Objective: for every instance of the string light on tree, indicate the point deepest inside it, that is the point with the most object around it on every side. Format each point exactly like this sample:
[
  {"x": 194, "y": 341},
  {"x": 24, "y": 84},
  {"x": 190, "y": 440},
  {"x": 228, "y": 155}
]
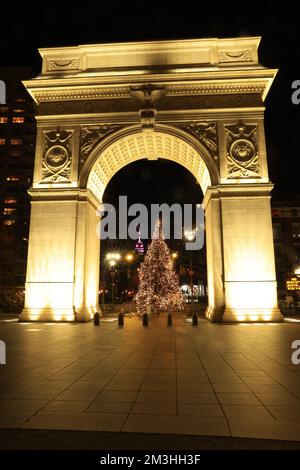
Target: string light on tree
[{"x": 158, "y": 282}]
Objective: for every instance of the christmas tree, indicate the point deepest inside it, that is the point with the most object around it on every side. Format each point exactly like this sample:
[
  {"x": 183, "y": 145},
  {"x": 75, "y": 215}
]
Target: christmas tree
[{"x": 158, "y": 282}]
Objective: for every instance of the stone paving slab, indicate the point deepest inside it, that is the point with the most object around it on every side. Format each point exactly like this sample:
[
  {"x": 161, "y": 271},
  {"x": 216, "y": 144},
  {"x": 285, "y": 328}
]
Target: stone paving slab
[{"x": 213, "y": 380}]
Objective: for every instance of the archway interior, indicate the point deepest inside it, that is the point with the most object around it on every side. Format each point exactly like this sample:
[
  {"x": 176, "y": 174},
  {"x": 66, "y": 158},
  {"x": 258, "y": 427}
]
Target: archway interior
[
  {"x": 150, "y": 145},
  {"x": 150, "y": 182}
]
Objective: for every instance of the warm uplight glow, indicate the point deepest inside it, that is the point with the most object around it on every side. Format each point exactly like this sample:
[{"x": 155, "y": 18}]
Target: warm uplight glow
[{"x": 297, "y": 271}]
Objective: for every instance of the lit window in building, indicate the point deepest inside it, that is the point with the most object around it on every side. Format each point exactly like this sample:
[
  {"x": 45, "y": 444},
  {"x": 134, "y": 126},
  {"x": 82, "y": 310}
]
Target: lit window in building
[
  {"x": 3, "y": 120},
  {"x": 16, "y": 141},
  {"x": 12, "y": 178},
  {"x": 20, "y": 100},
  {"x": 296, "y": 230},
  {"x": 17, "y": 120},
  {"x": 9, "y": 210},
  {"x": 9, "y": 222},
  {"x": 10, "y": 200},
  {"x": 2, "y": 141},
  {"x": 3, "y": 109},
  {"x": 18, "y": 110}
]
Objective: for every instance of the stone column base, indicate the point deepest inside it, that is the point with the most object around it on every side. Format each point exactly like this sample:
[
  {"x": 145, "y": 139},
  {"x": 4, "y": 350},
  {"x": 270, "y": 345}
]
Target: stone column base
[
  {"x": 213, "y": 314},
  {"x": 47, "y": 315},
  {"x": 86, "y": 314},
  {"x": 243, "y": 315},
  {"x": 252, "y": 315},
  {"x": 59, "y": 315}
]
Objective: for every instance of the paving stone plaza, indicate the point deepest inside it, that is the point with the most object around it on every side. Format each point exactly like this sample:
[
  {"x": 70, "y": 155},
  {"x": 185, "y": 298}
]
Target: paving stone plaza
[{"x": 211, "y": 380}]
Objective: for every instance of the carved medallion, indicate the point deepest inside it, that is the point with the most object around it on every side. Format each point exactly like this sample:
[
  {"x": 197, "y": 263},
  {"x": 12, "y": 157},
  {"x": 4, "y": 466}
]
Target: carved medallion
[
  {"x": 242, "y": 150},
  {"x": 56, "y": 164},
  {"x": 242, "y": 155}
]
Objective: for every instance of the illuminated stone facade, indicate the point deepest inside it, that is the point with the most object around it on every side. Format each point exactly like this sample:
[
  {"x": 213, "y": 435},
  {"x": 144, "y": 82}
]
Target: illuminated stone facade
[{"x": 199, "y": 103}]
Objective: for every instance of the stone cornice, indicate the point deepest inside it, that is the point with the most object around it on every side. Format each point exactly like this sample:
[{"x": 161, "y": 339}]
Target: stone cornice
[
  {"x": 59, "y": 91},
  {"x": 235, "y": 191}
]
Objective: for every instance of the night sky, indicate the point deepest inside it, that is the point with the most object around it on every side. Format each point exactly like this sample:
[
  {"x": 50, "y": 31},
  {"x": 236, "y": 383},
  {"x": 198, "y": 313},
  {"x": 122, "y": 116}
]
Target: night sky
[{"x": 27, "y": 26}]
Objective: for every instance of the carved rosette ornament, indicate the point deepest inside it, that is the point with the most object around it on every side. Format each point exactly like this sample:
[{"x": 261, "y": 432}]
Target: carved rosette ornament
[
  {"x": 91, "y": 136},
  {"x": 206, "y": 133},
  {"x": 57, "y": 156},
  {"x": 242, "y": 154}
]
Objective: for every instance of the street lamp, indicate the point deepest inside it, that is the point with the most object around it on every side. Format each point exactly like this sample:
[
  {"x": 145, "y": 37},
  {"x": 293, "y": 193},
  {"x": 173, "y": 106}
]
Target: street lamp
[
  {"x": 112, "y": 259},
  {"x": 189, "y": 235}
]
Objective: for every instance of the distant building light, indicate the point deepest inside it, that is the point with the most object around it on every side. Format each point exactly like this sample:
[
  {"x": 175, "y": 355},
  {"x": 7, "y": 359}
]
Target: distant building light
[
  {"x": 3, "y": 120},
  {"x": 2, "y": 141},
  {"x": 12, "y": 178},
  {"x": 139, "y": 246},
  {"x": 18, "y": 110},
  {"x": 16, "y": 141},
  {"x": 9, "y": 222},
  {"x": 18, "y": 120},
  {"x": 275, "y": 213},
  {"x": 9, "y": 210},
  {"x": 10, "y": 200}
]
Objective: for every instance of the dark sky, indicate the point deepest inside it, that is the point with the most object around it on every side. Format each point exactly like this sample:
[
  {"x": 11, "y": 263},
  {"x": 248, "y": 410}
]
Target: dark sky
[{"x": 27, "y": 26}]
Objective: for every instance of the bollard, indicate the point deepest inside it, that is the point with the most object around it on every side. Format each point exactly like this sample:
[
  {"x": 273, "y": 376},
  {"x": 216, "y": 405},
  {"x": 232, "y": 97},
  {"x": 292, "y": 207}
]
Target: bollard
[
  {"x": 170, "y": 319},
  {"x": 145, "y": 319},
  {"x": 121, "y": 319},
  {"x": 195, "y": 319},
  {"x": 96, "y": 319}
]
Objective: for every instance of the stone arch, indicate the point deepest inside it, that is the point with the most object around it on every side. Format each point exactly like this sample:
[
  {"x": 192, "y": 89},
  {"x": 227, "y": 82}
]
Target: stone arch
[
  {"x": 141, "y": 88},
  {"x": 131, "y": 144}
]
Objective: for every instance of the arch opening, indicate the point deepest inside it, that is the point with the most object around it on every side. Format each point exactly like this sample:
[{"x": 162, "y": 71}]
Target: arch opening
[
  {"x": 151, "y": 183},
  {"x": 145, "y": 145}
]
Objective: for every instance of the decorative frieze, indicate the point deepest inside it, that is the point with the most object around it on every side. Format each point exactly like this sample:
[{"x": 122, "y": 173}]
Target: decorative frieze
[
  {"x": 235, "y": 56},
  {"x": 206, "y": 133},
  {"x": 90, "y": 136},
  {"x": 55, "y": 65}
]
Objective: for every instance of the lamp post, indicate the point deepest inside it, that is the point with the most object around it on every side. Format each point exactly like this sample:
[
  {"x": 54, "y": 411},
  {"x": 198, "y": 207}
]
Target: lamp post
[
  {"x": 112, "y": 259},
  {"x": 189, "y": 235}
]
